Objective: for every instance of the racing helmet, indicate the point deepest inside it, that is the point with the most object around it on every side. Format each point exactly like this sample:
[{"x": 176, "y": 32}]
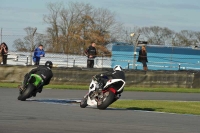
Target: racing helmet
[
  {"x": 117, "y": 68},
  {"x": 49, "y": 64}
]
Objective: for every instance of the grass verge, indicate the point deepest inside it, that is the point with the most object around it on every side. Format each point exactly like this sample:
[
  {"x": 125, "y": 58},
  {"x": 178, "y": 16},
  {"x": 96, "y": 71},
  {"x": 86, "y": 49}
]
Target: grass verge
[
  {"x": 180, "y": 107},
  {"x": 85, "y": 87}
]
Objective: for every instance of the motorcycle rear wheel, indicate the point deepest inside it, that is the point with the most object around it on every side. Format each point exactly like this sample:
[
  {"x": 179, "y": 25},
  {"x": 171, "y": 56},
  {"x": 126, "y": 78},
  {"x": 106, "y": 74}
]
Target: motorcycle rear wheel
[
  {"x": 107, "y": 100},
  {"x": 27, "y": 93}
]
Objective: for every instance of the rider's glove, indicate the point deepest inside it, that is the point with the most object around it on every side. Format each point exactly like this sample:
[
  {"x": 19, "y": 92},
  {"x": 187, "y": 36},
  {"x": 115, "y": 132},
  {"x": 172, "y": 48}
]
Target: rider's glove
[{"x": 95, "y": 78}]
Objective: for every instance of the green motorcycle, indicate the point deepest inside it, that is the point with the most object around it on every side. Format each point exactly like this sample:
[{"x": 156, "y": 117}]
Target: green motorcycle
[{"x": 35, "y": 82}]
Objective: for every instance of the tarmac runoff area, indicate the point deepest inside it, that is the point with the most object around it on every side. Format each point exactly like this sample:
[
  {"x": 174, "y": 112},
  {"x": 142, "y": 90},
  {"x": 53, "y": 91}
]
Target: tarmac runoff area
[{"x": 58, "y": 111}]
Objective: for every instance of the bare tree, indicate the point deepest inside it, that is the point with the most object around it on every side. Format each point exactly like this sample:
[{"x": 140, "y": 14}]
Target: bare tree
[
  {"x": 186, "y": 38},
  {"x": 74, "y": 26},
  {"x": 197, "y": 34},
  {"x": 157, "y": 35},
  {"x": 19, "y": 45},
  {"x": 52, "y": 19},
  {"x": 30, "y": 41}
]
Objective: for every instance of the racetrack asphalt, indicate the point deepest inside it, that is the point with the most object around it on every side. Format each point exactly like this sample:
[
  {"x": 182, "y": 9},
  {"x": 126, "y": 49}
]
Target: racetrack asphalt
[{"x": 32, "y": 116}]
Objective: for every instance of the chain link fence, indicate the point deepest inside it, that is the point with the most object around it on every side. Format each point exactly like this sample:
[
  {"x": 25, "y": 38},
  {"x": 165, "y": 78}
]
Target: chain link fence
[
  {"x": 9, "y": 36},
  {"x": 59, "y": 60}
]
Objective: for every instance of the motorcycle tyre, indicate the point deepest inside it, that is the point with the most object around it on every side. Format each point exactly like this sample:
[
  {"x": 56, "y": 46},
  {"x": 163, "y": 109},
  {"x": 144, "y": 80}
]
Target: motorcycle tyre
[
  {"x": 83, "y": 102},
  {"x": 109, "y": 100},
  {"x": 27, "y": 93}
]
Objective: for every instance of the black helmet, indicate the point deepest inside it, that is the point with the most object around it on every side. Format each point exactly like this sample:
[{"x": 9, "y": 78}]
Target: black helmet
[{"x": 49, "y": 64}]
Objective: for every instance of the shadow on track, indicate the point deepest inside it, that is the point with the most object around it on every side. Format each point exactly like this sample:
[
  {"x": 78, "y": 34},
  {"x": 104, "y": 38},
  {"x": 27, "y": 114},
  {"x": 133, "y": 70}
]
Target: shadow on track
[{"x": 77, "y": 102}]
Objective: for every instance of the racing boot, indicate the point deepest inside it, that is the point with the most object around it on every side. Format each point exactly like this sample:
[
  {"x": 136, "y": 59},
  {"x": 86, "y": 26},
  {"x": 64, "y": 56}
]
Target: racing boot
[
  {"x": 34, "y": 93},
  {"x": 39, "y": 89},
  {"x": 21, "y": 88},
  {"x": 118, "y": 96}
]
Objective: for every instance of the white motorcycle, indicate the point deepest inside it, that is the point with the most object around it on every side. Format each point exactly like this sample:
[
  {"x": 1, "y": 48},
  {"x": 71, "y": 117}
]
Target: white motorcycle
[{"x": 103, "y": 98}]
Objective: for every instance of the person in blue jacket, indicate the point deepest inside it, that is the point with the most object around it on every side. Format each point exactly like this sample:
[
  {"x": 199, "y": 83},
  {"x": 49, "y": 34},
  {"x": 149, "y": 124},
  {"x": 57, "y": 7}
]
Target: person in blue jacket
[{"x": 38, "y": 53}]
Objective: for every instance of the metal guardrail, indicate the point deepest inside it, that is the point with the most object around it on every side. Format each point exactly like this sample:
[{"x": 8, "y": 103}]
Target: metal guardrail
[
  {"x": 59, "y": 60},
  {"x": 63, "y": 60},
  {"x": 175, "y": 66}
]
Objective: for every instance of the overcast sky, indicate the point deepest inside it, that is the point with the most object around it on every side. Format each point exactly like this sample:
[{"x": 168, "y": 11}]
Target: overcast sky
[{"x": 177, "y": 15}]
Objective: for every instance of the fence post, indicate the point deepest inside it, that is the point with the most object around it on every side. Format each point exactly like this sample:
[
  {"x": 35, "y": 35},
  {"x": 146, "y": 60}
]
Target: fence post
[
  {"x": 101, "y": 60},
  {"x": 74, "y": 63},
  {"x": 128, "y": 64},
  {"x": 26, "y": 60},
  {"x": 1, "y": 35},
  {"x": 16, "y": 58}
]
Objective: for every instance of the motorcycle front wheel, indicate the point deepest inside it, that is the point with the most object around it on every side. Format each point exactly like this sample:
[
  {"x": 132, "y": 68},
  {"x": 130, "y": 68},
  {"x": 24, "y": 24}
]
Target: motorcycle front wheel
[
  {"x": 107, "y": 100},
  {"x": 83, "y": 102}
]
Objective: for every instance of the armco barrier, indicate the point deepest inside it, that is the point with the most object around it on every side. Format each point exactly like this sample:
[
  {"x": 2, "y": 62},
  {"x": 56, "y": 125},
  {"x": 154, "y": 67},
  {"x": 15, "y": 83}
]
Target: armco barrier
[{"x": 138, "y": 78}]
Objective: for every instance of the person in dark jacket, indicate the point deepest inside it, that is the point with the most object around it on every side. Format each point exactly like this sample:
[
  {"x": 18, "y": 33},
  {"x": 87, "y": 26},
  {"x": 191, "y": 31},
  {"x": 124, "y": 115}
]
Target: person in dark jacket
[
  {"x": 43, "y": 71},
  {"x": 143, "y": 57},
  {"x": 91, "y": 53},
  {"x": 102, "y": 78},
  {"x": 38, "y": 53},
  {"x": 4, "y": 52}
]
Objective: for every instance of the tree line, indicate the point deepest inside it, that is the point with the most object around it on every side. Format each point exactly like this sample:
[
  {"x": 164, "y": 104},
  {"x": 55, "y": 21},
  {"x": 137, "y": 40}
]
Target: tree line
[{"x": 72, "y": 27}]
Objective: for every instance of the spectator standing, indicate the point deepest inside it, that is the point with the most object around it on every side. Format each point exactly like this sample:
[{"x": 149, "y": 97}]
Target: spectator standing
[
  {"x": 91, "y": 54},
  {"x": 38, "y": 53},
  {"x": 143, "y": 57},
  {"x": 4, "y": 53}
]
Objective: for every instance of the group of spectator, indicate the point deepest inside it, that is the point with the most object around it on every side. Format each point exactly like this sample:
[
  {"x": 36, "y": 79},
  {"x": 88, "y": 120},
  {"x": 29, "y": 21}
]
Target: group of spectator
[
  {"x": 90, "y": 52},
  {"x": 38, "y": 52}
]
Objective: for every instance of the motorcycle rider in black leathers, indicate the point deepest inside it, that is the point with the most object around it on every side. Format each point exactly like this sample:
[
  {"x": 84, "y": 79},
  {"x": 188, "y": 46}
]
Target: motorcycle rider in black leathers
[
  {"x": 44, "y": 72},
  {"x": 104, "y": 77}
]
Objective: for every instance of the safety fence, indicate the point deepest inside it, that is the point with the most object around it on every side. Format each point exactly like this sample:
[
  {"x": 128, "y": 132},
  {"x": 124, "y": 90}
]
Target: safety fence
[
  {"x": 64, "y": 60},
  {"x": 59, "y": 60},
  {"x": 126, "y": 58}
]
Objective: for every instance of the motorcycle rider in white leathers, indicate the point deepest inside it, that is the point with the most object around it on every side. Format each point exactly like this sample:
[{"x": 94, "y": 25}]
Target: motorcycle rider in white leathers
[{"x": 104, "y": 77}]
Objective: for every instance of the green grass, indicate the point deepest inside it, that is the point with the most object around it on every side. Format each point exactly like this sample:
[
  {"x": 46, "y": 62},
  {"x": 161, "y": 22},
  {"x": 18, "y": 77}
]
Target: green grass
[
  {"x": 78, "y": 87},
  {"x": 159, "y": 89},
  {"x": 9, "y": 85},
  {"x": 159, "y": 106},
  {"x": 85, "y": 87}
]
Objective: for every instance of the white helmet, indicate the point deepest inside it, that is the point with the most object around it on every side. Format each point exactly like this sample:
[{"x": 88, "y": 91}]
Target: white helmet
[{"x": 117, "y": 68}]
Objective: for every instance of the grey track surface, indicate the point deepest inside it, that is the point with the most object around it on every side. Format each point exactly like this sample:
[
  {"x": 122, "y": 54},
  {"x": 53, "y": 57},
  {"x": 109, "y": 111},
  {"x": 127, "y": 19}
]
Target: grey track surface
[{"x": 35, "y": 117}]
